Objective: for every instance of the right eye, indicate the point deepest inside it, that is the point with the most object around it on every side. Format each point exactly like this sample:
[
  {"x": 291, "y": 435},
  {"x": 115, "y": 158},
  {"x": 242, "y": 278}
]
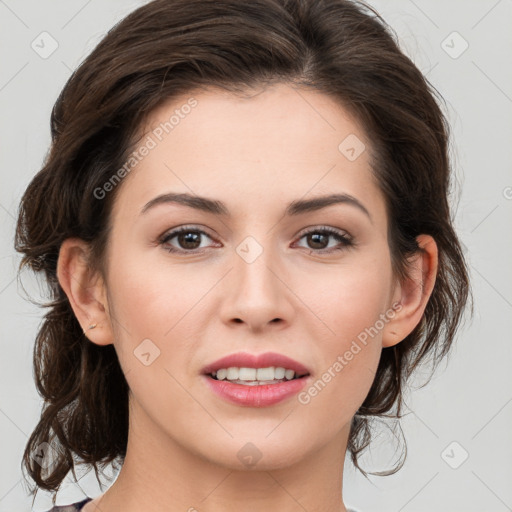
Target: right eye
[{"x": 188, "y": 239}]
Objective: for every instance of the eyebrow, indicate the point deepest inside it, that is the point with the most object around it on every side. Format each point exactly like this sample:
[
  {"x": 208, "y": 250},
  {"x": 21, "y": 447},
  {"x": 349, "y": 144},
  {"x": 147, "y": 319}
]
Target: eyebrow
[{"x": 215, "y": 207}]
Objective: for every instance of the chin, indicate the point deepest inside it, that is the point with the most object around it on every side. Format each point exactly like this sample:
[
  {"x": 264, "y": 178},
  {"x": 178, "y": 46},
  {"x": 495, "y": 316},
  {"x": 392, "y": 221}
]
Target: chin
[{"x": 259, "y": 453}]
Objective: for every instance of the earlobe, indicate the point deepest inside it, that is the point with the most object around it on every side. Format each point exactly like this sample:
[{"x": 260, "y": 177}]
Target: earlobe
[
  {"x": 413, "y": 293},
  {"x": 85, "y": 290}
]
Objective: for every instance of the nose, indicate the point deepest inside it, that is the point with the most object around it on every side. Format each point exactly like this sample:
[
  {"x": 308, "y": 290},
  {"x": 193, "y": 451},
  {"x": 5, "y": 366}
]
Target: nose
[{"x": 256, "y": 293}]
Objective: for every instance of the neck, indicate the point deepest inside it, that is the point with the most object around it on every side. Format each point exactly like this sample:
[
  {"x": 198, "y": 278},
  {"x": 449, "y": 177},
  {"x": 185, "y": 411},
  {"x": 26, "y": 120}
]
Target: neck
[{"x": 160, "y": 475}]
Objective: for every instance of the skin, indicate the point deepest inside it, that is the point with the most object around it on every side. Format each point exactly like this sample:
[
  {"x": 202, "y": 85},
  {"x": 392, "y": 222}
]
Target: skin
[{"x": 255, "y": 155}]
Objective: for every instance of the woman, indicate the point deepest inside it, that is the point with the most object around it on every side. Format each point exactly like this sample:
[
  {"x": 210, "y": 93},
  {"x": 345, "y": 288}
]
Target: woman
[{"x": 244, "y": 224}]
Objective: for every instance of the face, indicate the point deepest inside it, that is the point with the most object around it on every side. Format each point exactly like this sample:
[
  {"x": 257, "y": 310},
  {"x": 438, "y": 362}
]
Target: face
[{"x": 262, "y": 274}]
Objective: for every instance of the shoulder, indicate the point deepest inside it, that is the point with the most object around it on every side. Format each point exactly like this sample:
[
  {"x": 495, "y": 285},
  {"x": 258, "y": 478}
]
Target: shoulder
[{"x": 71, "y": 508}]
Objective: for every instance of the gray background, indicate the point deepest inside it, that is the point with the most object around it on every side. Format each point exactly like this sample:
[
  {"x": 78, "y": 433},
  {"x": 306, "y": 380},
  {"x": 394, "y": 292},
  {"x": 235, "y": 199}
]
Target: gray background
[{"x": 469, "y": 402}]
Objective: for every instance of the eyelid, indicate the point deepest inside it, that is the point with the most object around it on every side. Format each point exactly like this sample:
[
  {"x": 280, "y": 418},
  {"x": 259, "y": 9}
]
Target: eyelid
[
  {"x": 304, "y": 231},
  {"x": 323, "y": 227},
  {"x": 171, "y": 233}
]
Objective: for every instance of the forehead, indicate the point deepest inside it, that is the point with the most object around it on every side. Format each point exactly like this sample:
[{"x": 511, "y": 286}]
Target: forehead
[{"x": 256, "y": 152}]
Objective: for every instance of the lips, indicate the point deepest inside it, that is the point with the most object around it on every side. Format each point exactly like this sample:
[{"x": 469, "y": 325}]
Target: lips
[{"x": 265, "y": 360}]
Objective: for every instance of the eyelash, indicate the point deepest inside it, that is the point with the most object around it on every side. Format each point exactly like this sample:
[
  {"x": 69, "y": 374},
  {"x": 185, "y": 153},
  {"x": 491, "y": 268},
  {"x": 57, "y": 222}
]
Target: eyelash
[{"x": 345, "y": 240}]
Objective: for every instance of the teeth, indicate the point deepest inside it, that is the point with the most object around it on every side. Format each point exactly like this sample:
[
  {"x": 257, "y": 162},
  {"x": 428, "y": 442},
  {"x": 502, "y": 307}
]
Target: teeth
[
  {"x": 256, "y": 382},
  {"x": 279, "y": 373},
  {"x": 232, "y": 373},
  {"x": 288, "y": 374},
  {"x": 247, "y": 373},
  {"x": 254, "y": 374},
  {"x": 265, "y": 373}
]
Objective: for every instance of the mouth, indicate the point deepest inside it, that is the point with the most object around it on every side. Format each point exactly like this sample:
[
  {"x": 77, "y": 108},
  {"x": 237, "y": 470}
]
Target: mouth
[
  {"x": 255, "y": 376},
  {"x": 254, "y": 381},
  {"x": 256, "y": 370}
]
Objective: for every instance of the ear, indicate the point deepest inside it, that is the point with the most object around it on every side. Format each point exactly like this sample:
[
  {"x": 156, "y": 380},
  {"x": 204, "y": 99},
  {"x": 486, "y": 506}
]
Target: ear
[
  {"x": 85, "y": 290},
  {"x": 412, "y": 294}
]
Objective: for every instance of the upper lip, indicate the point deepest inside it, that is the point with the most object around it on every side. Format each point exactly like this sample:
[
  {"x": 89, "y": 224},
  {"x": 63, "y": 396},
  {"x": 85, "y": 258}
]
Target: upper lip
[{"x": 265, "y": 360}]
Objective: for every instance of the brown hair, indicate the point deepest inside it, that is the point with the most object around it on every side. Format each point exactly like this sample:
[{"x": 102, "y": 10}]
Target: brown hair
[{"x": 171, "y": 47}]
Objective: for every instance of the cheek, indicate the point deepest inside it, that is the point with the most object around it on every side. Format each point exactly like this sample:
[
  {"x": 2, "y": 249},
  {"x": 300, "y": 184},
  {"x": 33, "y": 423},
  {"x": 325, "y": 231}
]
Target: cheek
[
  {"x": 355, "y": 309},
  {"x": 152, "y": 300},
  {"x": 156, "y": 315},
  {"x": 351, "y": 298},
  {"x": 153, "y": 319}
]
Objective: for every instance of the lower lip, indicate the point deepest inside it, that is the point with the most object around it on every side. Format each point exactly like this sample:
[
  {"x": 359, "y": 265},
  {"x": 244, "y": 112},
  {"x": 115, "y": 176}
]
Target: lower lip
[{"x": 256, "y": 396}]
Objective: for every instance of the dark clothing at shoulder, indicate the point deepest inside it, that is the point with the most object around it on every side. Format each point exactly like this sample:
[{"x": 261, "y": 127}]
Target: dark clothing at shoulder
[{"x": 71, "y": 508}]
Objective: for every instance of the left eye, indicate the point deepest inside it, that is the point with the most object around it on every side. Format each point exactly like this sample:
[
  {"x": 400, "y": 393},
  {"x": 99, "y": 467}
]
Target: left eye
[{"x": 320, "y": 237}]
